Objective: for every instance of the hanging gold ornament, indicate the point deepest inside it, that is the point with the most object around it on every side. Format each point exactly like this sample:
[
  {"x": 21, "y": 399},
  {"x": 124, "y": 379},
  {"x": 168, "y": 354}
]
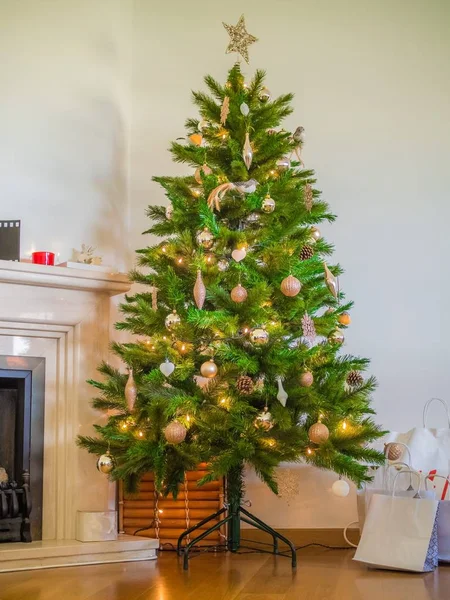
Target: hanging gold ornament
[
  {"x": 239, "y": 293},
  {"x": 308, "y": 196},
  {"x": 205, "y": 170},
  {"x": 154, "y": 292},
  {"x": 344, "y": 318},
  {"x": 106, "y": 463},
  {"x": 306, "y": 379},
  {"x": 264, "y": 95},
  {"x": 225, "y": 110},
  {"x": 264, "y": 420},
  {"x": 172, "y": 320},
  {"x": 268, "y": 204},
  {"x": 209, "y": 369},
  {"x": 199, "y": 290},
  {"x": 210, "y": 259},
  {"x": 196, "y": 139},
  {"x": 290, "y": 286},
  {"x": 175, "y": 433},
  {"x": 247, "y": 152},
  {"x": 130, "y": 391},
  {"x": 336, "y": 337},
  {"x": 240, "y": 39},
  {"x": 259, "y": 336},
  {"x": 205, "y": 238},
  {"x": 315, "y": 234},
  {"x": 318, "y": 433},
  {"x": 331, "y": 281}
]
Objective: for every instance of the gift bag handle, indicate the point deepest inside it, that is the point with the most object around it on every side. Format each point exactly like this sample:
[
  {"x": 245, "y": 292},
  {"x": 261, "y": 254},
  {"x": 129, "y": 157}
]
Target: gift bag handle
[
  {"x": 395, "y": 465},
  {"x": 431, "y": 477},
  {"x": 412, "y": 472},
  {"x": 427, "y": 407}
]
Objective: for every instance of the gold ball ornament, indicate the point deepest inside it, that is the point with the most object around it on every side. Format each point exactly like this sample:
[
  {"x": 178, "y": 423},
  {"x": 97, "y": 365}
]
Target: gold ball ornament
[
  {"x": 336, "y": 337},
  {"x": 290, "y": 286},
  {"x": 203, "y": 170},
  {"x": 209, "y": 369},
  {"x": 205, "y": 238},
  {"x": 106, "y": 463},
  {"x": 318, "y": 433},
  {"x": 172, "y": 320},
  {"x": 344, "y": 318},
  {"x": 239, "y": 293},
  {"x": 393, "y": 451},
  {"x": 268, "y": 205},
  {"x": 264, "y": 95},
  {"x": 264, "y": 420},
  {"x": 306, "y": 379},
  {"x": 315, "y": 234},
  {"x": 259, "y": 336},
  {"x": 175, "y": 433}
]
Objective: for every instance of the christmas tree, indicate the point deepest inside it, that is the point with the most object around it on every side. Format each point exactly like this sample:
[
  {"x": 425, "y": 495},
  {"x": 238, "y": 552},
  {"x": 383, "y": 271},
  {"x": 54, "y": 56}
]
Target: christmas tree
[{"x": 237, "y": 358}]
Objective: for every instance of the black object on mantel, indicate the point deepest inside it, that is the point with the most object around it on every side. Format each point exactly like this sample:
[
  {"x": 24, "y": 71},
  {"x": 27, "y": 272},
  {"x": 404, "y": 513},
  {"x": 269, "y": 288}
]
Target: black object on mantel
[
  {"x": 15, "y": 509},
  {"x": 10, "y": 240}
]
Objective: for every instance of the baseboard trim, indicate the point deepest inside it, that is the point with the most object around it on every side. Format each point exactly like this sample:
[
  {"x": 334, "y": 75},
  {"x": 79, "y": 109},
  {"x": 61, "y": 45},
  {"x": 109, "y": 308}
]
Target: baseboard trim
[{"x": 302, "y": 537}]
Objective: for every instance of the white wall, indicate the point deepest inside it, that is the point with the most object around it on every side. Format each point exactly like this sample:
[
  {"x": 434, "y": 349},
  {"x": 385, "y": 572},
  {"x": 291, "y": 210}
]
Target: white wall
[
  {"x": 64, "y": 119},
  {"x": 372, "y": 87}
]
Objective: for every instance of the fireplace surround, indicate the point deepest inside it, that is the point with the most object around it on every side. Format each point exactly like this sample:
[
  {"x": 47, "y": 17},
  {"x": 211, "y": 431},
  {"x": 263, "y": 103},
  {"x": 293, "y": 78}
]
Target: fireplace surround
[{"x": 58, "y": 320}]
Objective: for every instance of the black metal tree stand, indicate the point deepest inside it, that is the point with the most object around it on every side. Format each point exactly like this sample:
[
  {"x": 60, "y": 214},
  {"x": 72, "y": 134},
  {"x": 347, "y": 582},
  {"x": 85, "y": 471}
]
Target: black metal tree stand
[{"x": 234, "y": 513}]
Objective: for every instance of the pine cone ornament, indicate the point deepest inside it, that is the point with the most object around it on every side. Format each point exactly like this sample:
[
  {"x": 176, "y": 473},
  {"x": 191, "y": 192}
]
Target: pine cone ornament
[
  {"x": 306, "y": 252},
  {"x": 354, "y": 378},
  {"x": 245, "y": 385}
]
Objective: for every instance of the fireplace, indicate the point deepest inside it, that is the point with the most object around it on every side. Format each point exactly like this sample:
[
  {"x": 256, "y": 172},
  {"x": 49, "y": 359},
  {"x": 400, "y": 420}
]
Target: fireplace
[{"x": 21, "y": 444}]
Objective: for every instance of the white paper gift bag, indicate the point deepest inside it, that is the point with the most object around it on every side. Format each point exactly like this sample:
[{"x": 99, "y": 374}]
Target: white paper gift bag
[
  {"x": 400, "y": 533},
  {"x": 428, "y": 450}
]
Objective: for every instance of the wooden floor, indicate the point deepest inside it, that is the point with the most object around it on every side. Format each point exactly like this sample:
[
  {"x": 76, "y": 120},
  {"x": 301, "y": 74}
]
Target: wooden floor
[{"x": 321, "y": 575}]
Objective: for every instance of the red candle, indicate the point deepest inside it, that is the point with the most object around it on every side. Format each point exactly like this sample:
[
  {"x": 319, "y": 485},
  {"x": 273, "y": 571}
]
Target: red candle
[{"x": 43, "y": 258}]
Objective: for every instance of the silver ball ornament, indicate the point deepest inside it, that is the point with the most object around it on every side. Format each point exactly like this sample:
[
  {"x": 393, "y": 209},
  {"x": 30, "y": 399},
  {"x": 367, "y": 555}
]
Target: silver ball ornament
[
  {"x": 106, "y": 463},
  {"x": 284, "y": 164},
  {"x": 268, "y": 205},
  {"x": 264, "y": 95},
  {"x": 259, "y": 336},
  {"x": 172, "y": 320},
  {"x": 340, "y": 488},
  {"x": 223, "y": 265},
  {"x": 336, "y": 337},
  {"x": 205, "y": 238}
]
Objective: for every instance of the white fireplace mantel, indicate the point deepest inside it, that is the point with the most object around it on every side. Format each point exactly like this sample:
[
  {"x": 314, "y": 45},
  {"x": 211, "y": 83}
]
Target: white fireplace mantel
[{"x": 63, "y": 278}]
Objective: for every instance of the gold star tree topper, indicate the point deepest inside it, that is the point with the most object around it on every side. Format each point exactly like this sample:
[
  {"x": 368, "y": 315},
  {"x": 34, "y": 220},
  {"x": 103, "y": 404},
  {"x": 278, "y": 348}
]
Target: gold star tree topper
[{"x": 240, "y": 38}]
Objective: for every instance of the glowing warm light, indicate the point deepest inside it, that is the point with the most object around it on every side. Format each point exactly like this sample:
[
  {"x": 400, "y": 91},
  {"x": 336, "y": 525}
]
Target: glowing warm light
[
  {"x": 140, "y": 434},
  {"x": 309, "y": 451},
  {"x": 245, "y": 86},
  {"x": 179, "y": 260},
  {"x": 148, "y": 342},
  {"x": 164, "y": 249},
  {"x": 160, "y": 510},
  {"x": 183, "y": 348},
  {"x": 188, "y": 418},
  {"x": 164, "y": 337},
  {"x": 344, "y": 425},
  {"x": 124, "y": 426},
  {"x": 223, "y": 401},
  {"x": 273, "y": 323}
]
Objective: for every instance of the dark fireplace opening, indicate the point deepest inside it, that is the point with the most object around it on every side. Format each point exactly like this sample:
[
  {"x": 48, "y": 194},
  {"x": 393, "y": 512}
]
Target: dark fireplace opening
[{"x": 21, "y": 448}]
